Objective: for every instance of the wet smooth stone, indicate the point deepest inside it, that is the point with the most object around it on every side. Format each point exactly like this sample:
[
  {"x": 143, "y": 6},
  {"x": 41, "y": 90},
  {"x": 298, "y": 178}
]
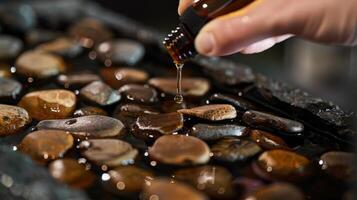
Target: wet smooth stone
[
  {"x": 267, "y": 140},
  {"x": 89, "y": 110},
  {"x": 195, "y": 87},
  {"x": 77, "y": 80},
  {"x": 38, "y": 36},
  {"x": 109, "y": 152},
  {"x": 234, "y": 149},
  {"x": 213, "y": 180},
  {"x": 49, "y": 104},
  {"x": 267, "y": 121},
  {"x": 4, "y": 71},
  {"x": 128, "y": 180},
  {"x": 10, "y": 89},
  {"x": 72, "y": 173},
  {"x": 117, "y": 77},
  {"x": 282, "y": 165},
  {"x": 164, "y": 189},
  {"x": 152, "y": 126},
  {"x": 62, "y": 46},
  {"x": 46, "y": 145},
  {"x": 213, "y": 112},
  {"x": 90, "y": 32},
  {"x": 12, "y": 119},
  {"x": 39, "y": 65},
  {"x": 128, "y": 113},
  {"x": 169, "y": 105},
  {"x": 120, "y": 51},
  {"x": 179, "y": 150},
  {"x": 277, "y": 191},
  {"x": 339, "y": 165},
  {"x": 247, "y": 185},
  {"x": 238, "y": 102},
  {"x": 94, "y": 126},
  {"x": 209, "y": 132},
  {"x": 10, "y": 47},
  {"x": 100, "y": 93},
  {"x": 139, "y": 94}
]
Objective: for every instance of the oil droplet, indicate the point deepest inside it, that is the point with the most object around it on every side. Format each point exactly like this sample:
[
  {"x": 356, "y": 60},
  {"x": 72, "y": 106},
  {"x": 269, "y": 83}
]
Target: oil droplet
[{"x": 179, "y": 98}]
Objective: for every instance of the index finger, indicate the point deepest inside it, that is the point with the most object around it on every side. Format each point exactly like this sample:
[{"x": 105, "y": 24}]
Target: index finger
[{"x": 183, "y": 5}]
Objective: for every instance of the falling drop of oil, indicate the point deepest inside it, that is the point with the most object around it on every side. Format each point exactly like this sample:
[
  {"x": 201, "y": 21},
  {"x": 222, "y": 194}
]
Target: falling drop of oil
[{"x": 179, "y": 98}]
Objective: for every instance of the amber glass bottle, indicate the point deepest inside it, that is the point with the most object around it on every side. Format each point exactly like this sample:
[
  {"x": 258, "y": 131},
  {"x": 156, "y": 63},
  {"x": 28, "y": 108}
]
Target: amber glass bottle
[{"x": 180, "y": 42}]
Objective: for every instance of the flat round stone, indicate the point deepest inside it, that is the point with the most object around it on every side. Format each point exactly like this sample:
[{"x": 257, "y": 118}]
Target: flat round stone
[
  {"x": 39, "y": 65},
  {"x": 49, "y": 104},
  {"x": 152, "y": 126},
  {"x": 46, "y": 145},
  {"x": 128, "y": 113},
  {"x": 234, "y": 149},
  {"x": 121, "y": 51},
  {"x": 277, "y": 191},
  {"x": 10, "y": 89},
  {"x": 94, "y": 126},
  {"x": 100, "y": 93},
  {"x": 117, "y": 77},
  {"x": 238, "y": 102},
  {"x": 267, "y": 121},
  {"x": 282, "y": 165},
  {"x": 213, "y": 180},
  {"x": 90, "y": 32},
  {"x": 62, "y": 46},
  {"x": 72, "y": 173},
  {"x": 77, "y": 80},
  {"x": 12, "y": 119},
  {"x": 339, "y": 165},
  {"x": 267, "y": 140},
  {"x": 109, "y": 152},
  {"x": 179, "y": 150},
  {"x": 164, "y": 189},
  {"x": 195, "y": 87},
  {"x": 89, "y": 110},
  {"x": 10, "y": 47},
  {"x": 209, "y": 132},
  {"x": 213, "y": 112},
  {"x": 128, "y": 180},
  {"x": 139, "y": 94}
]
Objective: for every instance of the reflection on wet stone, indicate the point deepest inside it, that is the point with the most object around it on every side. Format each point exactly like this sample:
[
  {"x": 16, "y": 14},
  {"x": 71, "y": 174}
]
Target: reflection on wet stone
[
  {"x": 100, "y": 93},
  {"x": 209, "y": 132},
  {"x": 12, "y": 119},
  {"x": 213, "y": 112},
  {"x": 238, "y": 102},
  {"x": 89, "y": 110},
  {"x": 46, "y": 145},
  {"x": 169, "y": 105},
  {"x": 117, "y": 77},
  {"x": 139, "y": 94},
  {"x": 94, "y": 126},
  {"x": 267, "y": 121},
  {"x": 234, "y": 149},
  {"x": 109, "y": 152},
  {"x": 267, "y": 140},
  {"x": 339, "y": 165},
  {"x": 188, "y": 150},
  {"x": 10, "y": 89},
  {"x": 72, "y": 173}
]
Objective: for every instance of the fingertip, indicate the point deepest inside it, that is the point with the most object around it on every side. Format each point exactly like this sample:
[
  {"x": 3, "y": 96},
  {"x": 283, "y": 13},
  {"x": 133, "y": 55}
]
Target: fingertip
[{"x": 205, "y": 43}]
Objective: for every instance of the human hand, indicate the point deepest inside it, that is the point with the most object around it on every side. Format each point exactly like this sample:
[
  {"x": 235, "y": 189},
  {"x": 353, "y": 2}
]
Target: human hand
[{"x": 264, "y": 23}]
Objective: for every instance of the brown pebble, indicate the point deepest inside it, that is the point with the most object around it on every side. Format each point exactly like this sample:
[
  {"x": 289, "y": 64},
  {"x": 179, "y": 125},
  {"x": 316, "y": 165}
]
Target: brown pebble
[
  {"x": 277, "y": 191},
  {"x": 164, "y": 189},
  {"x": 152, "y": 126},
  {"x": 39, "y": 65},
  {"x": 49, "y": 104},
  {"x": 100, "y": 93},
  {"x": 179, "y": 150},
  {"x": 139, "y": 94},
  {"x": 267, "y": 140},
  {"x": 195, "y": 87},
  {"x": 169, "y": 106},
  {"x": 213, "y": 180},
  {"x": 213, "y": 112},
  {"x": 46, "y": 145},
  {"x": 117, "y": 77},
  {"x": 282, "y": 165},
  {"x": 234, "y": 149},
  {"x": 72, "y": 173},
  {"x": 128, "y": 113},
  {"x": 109, "y": 152},
  {"x": 77, "y": 80},
  {"x": 128, "y": 180},
  {"x": 12, "y": 119},
  {"x": 62, "y": 46},
  {"x": 89, "y": 110},
  {"x": 339, "y": 165}
]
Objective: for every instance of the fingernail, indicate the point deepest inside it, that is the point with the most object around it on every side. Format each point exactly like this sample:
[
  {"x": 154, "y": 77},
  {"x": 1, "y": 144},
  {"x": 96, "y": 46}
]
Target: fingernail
[{"x": 205, "y": 42}]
